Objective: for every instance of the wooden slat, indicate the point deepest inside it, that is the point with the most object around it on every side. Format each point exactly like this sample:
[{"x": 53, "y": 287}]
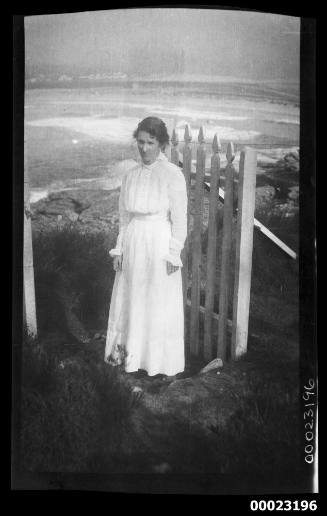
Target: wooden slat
[
  {"x": 187, "y": 157},
  {"x": 174, "y": 149},
  {"x": 244, "y": 245},
  {"x": 170, "y": 124},
  {"x": 187, "y": 163},
  {"x": 265, "y": 231},
  {"x": 196, "y": 245},
  {"x": 214, "y": 315},
  {"x": 226, "y": 253},
  {"x": 211, "y": 250}
]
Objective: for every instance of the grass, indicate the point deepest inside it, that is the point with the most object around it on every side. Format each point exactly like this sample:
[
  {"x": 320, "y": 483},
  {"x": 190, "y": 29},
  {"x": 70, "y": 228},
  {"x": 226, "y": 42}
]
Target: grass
[
  {"x": 282, "y": 220},
  {"x": 73, "y": 408},
  {"x": 80, "y": 263},
  {"x": 78, "y": 415},
  {"x": 260, "y": 444},
  {"x": 264, "y": 431}
]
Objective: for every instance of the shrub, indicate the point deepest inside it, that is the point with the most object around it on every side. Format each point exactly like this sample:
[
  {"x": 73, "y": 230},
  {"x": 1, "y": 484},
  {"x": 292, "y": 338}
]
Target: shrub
[{"x": 79, "y": 262}]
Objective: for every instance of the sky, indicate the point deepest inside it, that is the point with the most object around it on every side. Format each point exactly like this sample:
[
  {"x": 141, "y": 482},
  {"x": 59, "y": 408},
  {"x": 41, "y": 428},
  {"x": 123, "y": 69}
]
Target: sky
[{"x": 145, "y": 41}]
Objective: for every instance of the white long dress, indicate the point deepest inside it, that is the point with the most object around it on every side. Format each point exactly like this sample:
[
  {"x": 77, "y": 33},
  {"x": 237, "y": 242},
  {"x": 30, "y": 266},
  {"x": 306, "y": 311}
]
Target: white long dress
[{"x": 146, "y": 318}]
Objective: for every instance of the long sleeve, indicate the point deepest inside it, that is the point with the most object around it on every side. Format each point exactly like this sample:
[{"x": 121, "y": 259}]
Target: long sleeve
[
  {"x": 124, "y": 218},
  {"x": 177, "y": 194}
]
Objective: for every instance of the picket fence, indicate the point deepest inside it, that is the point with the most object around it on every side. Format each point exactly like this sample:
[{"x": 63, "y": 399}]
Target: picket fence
[{"x": 235, "y": 204}]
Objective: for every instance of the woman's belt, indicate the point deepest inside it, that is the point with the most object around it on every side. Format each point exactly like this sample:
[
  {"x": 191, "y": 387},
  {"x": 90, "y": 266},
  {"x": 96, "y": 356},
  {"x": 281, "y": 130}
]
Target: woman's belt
[{"x": 151, "y": 216}]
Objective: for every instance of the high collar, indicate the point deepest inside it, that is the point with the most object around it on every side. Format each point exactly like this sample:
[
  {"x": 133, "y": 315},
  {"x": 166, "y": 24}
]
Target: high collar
[{"x": 161, "y": 157}]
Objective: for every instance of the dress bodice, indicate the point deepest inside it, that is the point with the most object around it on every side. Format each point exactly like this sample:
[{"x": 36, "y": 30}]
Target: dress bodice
[{"x": 146, "y": 188}]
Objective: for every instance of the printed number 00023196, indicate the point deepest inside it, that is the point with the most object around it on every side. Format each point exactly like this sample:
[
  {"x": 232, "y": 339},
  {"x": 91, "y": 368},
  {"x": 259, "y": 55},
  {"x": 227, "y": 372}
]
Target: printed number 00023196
[{"x": 283, "y": 505}]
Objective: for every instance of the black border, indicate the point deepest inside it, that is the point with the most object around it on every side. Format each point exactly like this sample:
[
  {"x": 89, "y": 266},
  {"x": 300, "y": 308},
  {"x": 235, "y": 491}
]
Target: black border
[
  {"x": 307, "y": 257},
  {"x": 17, "y": 235}
]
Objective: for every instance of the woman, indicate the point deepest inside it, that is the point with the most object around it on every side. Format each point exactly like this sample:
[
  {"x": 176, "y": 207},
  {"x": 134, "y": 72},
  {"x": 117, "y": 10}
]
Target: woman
[{"x": 146, "y": 319}]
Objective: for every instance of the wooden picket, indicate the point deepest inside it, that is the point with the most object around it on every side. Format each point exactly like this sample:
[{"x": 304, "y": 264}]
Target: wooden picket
[
  {"x": 187, "y": 161},
  {"x": 187, "y": 170},
  {"x": 226, "y": 254},
  {"x": 212, "y": 249},
  {"x": 174, "y": 150},
  {"x": 197, "y": 245}
]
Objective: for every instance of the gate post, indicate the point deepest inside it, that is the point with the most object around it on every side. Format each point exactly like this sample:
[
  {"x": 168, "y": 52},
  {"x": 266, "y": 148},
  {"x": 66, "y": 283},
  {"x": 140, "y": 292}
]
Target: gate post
[
  {"x": 29, "y": 310},
  {"x": 244, "y": 246}
]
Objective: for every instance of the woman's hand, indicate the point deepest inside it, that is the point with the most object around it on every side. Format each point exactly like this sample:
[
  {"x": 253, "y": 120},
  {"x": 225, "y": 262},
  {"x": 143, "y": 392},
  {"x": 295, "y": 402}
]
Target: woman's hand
[
  {"x": 171, "y": 268},
  {"x": 118, "y": 262}
]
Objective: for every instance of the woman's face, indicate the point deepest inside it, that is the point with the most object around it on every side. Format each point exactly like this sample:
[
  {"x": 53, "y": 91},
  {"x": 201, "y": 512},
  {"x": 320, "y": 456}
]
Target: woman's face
[{"x": 149, "y": 147}]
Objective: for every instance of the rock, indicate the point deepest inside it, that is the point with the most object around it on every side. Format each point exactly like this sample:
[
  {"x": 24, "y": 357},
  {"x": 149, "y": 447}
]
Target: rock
[
  {"x": 137, "y": 389},
  {"x": 97, "y": 336},
  {"x": 196, "y": 405},
  {"x": 90, "y": 210},
  {"x": 294, "y": 193},
  {"x": 214, "y": 364},
  {"x": 292, "y": 156},
  {"x": 290, "y": 162},
  {"x": 264, "y": 195}
]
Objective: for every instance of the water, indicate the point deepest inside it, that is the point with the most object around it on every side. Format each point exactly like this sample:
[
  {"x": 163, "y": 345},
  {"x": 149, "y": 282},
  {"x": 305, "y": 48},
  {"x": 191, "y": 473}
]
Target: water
[{"x": 75, "y": 136}]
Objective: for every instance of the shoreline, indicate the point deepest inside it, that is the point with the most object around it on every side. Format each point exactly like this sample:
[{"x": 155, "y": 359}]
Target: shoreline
[{"x": 266, "y": 158}]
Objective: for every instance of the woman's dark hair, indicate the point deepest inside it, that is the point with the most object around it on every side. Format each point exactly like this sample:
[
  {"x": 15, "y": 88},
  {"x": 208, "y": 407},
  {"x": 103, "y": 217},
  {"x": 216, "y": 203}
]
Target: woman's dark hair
[{"x": 156, "y": 128}]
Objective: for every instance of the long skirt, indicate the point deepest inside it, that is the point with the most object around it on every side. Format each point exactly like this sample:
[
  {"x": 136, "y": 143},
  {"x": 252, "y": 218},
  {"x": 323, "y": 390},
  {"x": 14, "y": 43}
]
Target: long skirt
[{"x": 146, "y": 317}]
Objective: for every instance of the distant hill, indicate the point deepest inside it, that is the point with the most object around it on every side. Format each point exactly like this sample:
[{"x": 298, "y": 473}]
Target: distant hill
[{"x": 276, "y": 90}]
